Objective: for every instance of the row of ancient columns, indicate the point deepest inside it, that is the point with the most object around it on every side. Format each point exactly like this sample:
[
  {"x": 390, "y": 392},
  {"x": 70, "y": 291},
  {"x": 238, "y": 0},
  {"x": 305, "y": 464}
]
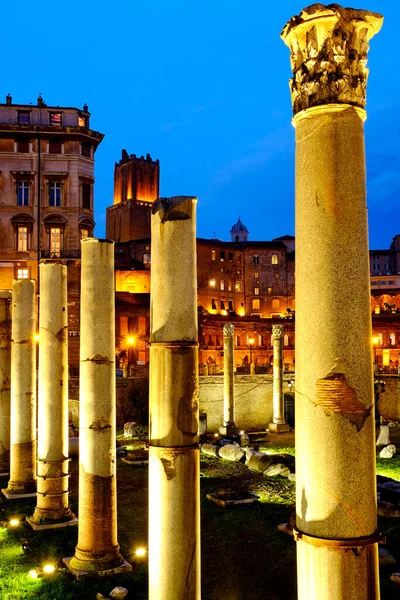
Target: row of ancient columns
[{"x": 337, "y": 543}]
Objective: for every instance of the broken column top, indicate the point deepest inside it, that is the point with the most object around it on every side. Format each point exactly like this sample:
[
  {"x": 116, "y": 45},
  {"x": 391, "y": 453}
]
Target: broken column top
[{"x": 328, "y": 53}]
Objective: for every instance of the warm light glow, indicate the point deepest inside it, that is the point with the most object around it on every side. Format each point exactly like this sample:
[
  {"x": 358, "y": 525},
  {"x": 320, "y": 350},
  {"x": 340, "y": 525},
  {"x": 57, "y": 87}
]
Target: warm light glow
[
  {"x": 241, "y": 432},
  {"x": 241, "y": 312},
  {"x": 49, "y": 568},
  {"x": 216, "y": 435},
  {"x": 130, "y": 340},
  {"x": 14, "y": 522},
  {"x": 36, "y": 338},
  {"x": 212, "y": 283},
  {"x": 375, "y": 340},
  {"x": 224, "y": 312},
  {"x": 140, "y": 552},
  {"x": 251, "y": 341},
  {"x": 33, "y": 573}
]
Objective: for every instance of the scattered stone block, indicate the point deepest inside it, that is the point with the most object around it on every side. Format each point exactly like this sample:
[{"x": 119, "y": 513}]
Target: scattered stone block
[
  {"x": 210, "y": 449},
  {"x": 395, "y": 577},
  {"x": 292, "y": 476},
  {"x": 383, "y": 437},
  {"x": 130, "y": 429},
  {"x": 277, "y": 469},
  {"x": 118, "y": 593},
  {"x": 392, "y": 424},
  {"x": 388, "y": 451},
  {"x": 258, "y": 461},
  {"x": 231, "y": 452},
  {"x": 244, "y": 440},
  {"x": 385, "y": 558}
]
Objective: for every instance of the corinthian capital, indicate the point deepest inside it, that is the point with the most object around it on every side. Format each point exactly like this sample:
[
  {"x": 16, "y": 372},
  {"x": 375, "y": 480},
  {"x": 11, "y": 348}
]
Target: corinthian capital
[
  {"x": 228, "y": 330},
  {"x": 328, "y": 52},
  {"x": 277, "y": 331}
]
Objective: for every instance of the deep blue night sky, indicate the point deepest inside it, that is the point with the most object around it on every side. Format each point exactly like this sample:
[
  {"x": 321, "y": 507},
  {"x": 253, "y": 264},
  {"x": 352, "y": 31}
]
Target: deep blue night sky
[{"x": 203, "y": 86}]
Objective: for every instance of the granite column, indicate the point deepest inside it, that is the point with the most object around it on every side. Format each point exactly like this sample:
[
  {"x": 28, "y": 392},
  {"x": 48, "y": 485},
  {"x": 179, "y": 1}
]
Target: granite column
[
  {"x": 229, "y": 427},
  {"x": 278, "y": 424},
  {"x": 174, "y": 478},
  {"x": 336, "y": 525}
]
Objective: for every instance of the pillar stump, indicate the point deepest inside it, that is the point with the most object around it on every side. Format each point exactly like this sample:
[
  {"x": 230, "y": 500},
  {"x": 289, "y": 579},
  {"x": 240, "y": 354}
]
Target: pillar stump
[
  {"x": 23, "y": 392},
  {"x": 5, "y": 380},
  {"x": 52, "y": 508},
  {"x": 336, "y": 524},
  {"x": 97, "y": 552},
  {"x": 229, "y": 427},
  {"x": 174, "y": 465},
  {"x": 278, "y": 424}
]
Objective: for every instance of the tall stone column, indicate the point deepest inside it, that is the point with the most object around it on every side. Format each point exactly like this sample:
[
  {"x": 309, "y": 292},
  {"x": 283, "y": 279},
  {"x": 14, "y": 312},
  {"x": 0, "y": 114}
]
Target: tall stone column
[
  {"x": 229, "y": 427},
  {"x": 52, "y": 508},
  {"x": 174, "y": 465},
  {"x": 23, "y": 391},
  {"x": 337, "y": 542},
  {"x": 5, "y": 379},
  {"x": 97, "y": 552},
  {"x": 278, "y": 424}
]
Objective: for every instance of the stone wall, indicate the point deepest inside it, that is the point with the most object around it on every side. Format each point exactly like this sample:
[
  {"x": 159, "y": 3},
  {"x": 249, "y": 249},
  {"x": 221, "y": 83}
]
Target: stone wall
[{"x": 253, "y": 401}]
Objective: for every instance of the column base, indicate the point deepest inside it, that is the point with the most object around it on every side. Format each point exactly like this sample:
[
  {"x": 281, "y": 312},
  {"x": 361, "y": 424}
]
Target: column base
[
  {"x": 228, "y": 430},
  {"x": 17, "y": 496},
  {"x": 278, "y": 428},
  {"x": 125, "y": 567},
  {"x": 52, "y": 524}
]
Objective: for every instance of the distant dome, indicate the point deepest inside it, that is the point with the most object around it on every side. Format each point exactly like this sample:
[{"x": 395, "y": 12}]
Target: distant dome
[
  {"x": 239, "y": 227},
  {"x": 239, "y": 232}
]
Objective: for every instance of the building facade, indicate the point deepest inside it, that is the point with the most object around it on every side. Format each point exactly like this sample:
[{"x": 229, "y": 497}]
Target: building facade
[{"x": 46, "y": 194}]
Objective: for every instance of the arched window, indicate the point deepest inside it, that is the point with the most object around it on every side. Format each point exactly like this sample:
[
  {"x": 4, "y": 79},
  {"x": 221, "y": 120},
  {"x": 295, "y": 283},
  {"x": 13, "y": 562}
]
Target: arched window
[
  {"x": 286, "y": 340},
  {"x": 392, "y": 339},
  {"x": 236, "y": 238},
  {"x": 275, "y": 304},
  {"x": 380, "y": 336},
  {"x": 256, "y": 259},
  {"x": 274, "y": 259},
  {"x": 146, "y": 258}
]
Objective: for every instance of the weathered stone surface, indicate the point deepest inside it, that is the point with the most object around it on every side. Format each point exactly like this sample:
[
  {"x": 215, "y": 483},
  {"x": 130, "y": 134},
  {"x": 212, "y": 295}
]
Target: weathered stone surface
[
  {"x": 292, "y": 476},
  {"x": 383, "y": 437},
  {"x": 258, "y": 461},
  {"x": 231, "y": 452},
  {"x": 130, "y": 429},
  {"x": 385, "y": 558},
  {"x": 209, "y": 449},
  {"x": 387, "y": 451},
  {"x": 118, "y": 593},
  {"x": 395, "y": 577},
  {"x": 277, "y": 469}
]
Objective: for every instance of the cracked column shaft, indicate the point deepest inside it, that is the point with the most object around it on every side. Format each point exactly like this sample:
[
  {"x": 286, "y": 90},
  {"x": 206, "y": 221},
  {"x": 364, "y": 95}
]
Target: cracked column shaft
[
  {"x": 174, "y": 478},
  {"x": 23, "y": 389},
  {"x": 337, "y": 550},
  {"x": 97, "y": 549},
  {"x": 5, "y": 379},
  {"x": 229, "y": 427},
  {"x": 52, "y": 466}
]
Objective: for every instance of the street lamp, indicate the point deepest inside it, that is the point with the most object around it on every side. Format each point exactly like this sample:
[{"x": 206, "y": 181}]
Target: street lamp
[
  {"x": 375, "y": 341},
  {"x": 251, "y": 342}
]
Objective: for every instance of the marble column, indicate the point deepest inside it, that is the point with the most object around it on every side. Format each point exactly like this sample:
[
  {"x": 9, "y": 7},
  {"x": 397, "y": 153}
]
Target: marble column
[
  {"x": 5, "y": 379},
  {"x": 336, "y": 524},
  {"x": 278, "y": 424},
  {"x": 174, "y": 478},
  {"x": 23, "y": 391},
  {"x": 229, "y": 427},
  {"x": 97, "y": 552},
  {"x": 52, "y": 508}
]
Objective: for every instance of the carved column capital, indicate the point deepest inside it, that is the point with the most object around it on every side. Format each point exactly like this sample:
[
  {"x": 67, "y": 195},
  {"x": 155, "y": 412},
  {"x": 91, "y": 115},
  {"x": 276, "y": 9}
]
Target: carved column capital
[
  {"x": 277, "y": 331},
  {"x": 328, "y": 53},
  {"x": 228, "y": 330}
]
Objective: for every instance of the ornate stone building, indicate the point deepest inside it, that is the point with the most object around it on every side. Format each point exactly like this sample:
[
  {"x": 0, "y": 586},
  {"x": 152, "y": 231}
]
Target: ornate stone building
[{"x": 46, "y": 193}]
